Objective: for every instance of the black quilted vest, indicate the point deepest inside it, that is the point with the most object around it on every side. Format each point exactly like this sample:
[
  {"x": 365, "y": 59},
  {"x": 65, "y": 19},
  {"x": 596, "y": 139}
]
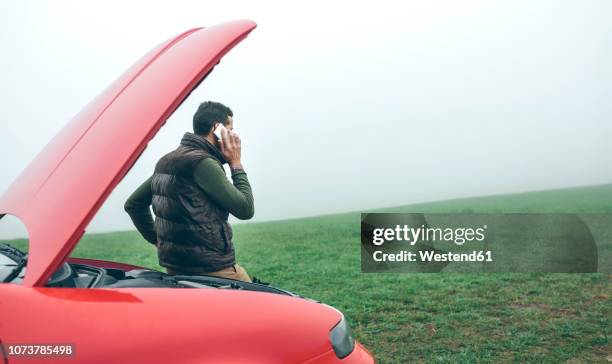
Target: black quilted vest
[{"x": 192, "y": 229}]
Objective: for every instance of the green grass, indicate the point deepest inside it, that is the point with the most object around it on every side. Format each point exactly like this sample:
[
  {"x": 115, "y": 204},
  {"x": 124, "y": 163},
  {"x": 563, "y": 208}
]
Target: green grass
[{"x": 432, "y": 318}]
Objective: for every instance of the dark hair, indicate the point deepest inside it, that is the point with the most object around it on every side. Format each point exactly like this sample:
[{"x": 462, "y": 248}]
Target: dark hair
[{"x": 209, "y": 113}]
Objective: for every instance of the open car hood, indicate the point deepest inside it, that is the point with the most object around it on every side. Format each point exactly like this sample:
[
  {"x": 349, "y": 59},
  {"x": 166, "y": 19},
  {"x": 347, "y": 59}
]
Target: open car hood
[{"x": 61, "y": 190}]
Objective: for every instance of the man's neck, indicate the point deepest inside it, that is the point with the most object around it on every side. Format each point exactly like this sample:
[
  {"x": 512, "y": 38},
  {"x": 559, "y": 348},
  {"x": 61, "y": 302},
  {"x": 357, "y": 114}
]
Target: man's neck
[{"x": 211, "y": 138}]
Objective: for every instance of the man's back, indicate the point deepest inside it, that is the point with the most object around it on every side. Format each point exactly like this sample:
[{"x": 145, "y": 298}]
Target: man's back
[
  {"x": 192, "y": 199},
  {"x": 191, "y": 228}
]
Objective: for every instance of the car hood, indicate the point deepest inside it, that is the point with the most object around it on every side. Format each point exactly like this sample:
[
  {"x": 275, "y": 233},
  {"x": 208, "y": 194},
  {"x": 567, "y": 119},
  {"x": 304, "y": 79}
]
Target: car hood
[
  {"x": 58, "y": 194},
  {"x": 187, "y": 326}
]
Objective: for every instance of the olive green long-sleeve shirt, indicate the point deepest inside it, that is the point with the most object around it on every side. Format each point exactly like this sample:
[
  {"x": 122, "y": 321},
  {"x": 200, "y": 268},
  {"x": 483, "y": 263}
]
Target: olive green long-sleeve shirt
[{"x": 237, "y": 198}]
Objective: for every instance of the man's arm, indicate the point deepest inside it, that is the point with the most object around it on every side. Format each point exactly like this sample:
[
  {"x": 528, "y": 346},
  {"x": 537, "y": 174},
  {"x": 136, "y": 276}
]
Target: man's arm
[
  {"x": 138, "y": 207},
  {"x": 237, "y": 198}
]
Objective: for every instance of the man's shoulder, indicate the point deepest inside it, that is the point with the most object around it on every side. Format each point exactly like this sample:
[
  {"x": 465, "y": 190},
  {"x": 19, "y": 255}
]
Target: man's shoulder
[
  {"x": 209, "y": 165},
  {"x": 182, "y": 160}
]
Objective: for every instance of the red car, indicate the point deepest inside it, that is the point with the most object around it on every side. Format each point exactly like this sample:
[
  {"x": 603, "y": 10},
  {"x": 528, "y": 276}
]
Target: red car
[{"x": 92, "y": 311}]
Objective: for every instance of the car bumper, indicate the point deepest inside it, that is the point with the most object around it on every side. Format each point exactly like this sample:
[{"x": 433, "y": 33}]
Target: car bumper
[{"x": 360, "y": 355}]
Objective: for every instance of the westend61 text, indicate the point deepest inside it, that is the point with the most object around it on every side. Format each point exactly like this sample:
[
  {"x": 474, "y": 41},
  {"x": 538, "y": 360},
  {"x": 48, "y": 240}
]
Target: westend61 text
[{"x": 431, "y": 256}]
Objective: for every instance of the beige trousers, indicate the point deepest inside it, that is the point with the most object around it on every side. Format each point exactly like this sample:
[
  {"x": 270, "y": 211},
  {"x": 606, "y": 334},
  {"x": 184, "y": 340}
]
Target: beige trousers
[{"x": 235, "y": 272}]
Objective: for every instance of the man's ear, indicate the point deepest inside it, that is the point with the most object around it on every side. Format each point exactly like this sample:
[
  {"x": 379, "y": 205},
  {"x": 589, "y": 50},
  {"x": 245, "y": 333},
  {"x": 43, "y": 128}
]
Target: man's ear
[{"x": 215, "y": 125}]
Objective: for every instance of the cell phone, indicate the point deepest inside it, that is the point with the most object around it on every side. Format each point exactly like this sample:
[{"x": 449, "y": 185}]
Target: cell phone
[{"x": 218, "y": 131}]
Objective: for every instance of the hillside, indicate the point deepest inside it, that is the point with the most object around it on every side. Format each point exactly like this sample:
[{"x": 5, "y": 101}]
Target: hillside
[{"x": 487, "y": 318}]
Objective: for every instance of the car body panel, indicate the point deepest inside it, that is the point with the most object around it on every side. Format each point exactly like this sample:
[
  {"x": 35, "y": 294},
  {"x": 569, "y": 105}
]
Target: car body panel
[
  {"x": 57, "y": 195},
  {"x": 188, "y": 325},
  {"x": 360, "y": 355},
  {"x": 155, "y": 324}
]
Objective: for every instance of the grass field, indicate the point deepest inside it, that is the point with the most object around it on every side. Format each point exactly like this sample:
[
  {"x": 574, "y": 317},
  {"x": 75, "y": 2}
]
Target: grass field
[{"x": 432, "y": 318}]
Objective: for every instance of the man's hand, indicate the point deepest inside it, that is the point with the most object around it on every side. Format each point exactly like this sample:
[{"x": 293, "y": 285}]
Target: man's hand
[{"x": 231, "y": 148}]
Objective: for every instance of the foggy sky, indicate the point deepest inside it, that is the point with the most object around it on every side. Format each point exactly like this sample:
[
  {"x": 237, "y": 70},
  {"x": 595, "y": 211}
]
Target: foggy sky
[{"x": 341, "y": 105}]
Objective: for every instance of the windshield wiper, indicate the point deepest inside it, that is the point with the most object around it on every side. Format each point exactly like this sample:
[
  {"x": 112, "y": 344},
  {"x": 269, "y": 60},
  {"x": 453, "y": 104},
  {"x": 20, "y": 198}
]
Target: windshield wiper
[
  {"x": 18, "y": 256},
  {"x": 217, "y": 282},
  {"x": 16, "y": 269}
]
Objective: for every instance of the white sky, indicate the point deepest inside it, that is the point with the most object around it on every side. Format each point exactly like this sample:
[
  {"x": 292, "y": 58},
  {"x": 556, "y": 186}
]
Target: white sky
[{"x": 341, "y": 105}]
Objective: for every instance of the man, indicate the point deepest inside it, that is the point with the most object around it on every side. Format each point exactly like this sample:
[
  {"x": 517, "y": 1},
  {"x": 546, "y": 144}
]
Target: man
[{"x": 192, "y": 197}]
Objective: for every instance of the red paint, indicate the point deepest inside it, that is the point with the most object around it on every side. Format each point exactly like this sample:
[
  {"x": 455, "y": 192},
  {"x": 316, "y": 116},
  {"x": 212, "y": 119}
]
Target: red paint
[{"x": 151, "y": 325}]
